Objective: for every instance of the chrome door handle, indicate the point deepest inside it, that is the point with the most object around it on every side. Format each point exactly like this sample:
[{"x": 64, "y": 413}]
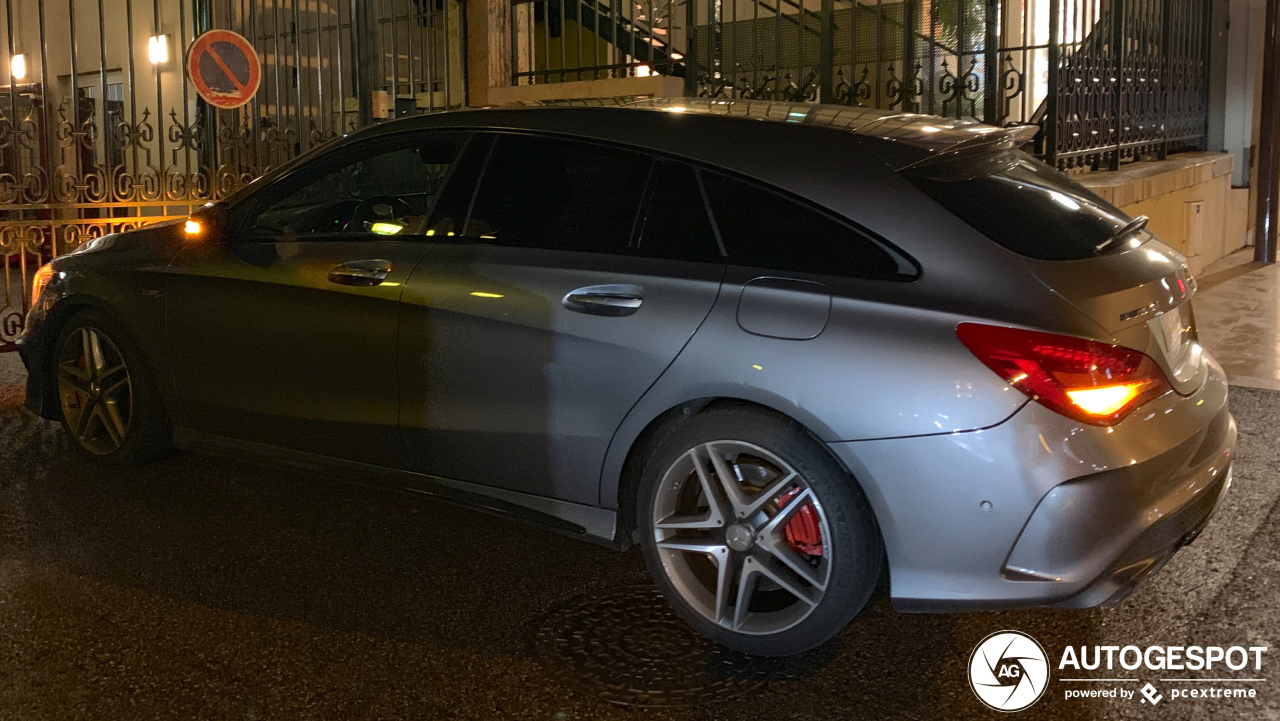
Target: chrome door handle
[
  {"x": 365, "y": 273},
  {"x": 606, "y": 300}
]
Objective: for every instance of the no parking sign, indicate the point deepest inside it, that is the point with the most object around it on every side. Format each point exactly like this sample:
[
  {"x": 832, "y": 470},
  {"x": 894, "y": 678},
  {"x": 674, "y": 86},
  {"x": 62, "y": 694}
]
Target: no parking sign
[{"x": 224, "y": 68}]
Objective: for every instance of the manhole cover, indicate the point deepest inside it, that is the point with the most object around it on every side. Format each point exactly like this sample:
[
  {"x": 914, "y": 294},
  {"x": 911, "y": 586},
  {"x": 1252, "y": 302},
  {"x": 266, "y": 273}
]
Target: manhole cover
[{"x": 628, "y": 647}]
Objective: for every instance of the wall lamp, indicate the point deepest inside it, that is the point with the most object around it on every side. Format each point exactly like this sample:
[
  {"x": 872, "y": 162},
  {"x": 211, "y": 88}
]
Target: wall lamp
[
  {"x": 158, "y": 49},
  {"x": 18, "y": 66}
]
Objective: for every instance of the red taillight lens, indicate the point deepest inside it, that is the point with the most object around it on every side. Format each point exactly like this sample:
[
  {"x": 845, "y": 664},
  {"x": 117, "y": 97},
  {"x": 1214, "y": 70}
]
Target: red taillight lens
[{"x": 1088, "y": 381}]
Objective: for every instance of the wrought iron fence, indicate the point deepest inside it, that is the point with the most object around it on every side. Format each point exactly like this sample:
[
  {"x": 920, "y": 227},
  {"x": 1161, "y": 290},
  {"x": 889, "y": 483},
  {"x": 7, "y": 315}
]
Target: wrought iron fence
[
  {"x": 1107, "y": 80},
  {"x": 1131, "y": 82},
  {"x": 99, "y": 132}
]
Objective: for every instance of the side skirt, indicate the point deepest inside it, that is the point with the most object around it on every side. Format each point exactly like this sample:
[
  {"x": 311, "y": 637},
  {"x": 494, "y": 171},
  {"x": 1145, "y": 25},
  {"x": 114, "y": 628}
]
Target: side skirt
[{"x": 575, "y": 520}]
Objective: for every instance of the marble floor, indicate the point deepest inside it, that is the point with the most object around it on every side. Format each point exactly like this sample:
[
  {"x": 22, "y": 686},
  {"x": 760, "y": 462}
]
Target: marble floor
[{"x": 1237, "y": 311}]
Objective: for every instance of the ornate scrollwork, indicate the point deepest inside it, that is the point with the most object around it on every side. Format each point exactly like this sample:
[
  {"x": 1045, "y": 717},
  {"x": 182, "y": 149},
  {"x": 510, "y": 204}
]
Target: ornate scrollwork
[
  {"x": 857, "y": 93},
  {"x": 964, "y": 92},
  {"x": 318, "y": 136},
  {"x": 139, "y": 134},
  {"x": 901, "y": 92},
  {"x": 9, "y": 240},
  {"x": 6, "y": 132},
  {"x": 1011, "y": 79},
  {"x": 184, "y": 136}
]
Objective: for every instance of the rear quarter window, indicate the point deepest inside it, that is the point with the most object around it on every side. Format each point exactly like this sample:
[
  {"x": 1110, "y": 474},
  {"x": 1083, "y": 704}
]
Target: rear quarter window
[{"x": 765, "y": 229}]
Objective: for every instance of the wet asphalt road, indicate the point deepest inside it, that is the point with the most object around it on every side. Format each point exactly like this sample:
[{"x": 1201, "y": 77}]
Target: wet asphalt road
[{"x": 204, "y": 588}]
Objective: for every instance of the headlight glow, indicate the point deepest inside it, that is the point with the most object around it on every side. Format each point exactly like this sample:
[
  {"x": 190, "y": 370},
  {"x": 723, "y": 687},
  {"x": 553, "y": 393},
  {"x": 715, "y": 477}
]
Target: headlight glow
[{"x": 41, "y": 279}]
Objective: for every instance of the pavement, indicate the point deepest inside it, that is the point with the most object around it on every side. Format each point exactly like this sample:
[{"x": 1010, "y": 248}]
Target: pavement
[
  {"x": 205, "y": 588},
  {"x": 1237, "y": 310}
]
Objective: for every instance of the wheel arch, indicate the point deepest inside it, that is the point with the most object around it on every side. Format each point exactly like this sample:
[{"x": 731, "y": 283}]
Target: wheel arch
[
  {"x": 625, "y": 493},
  {"x": 51, "y": 328},
  {"x": 39, "y": 351}
]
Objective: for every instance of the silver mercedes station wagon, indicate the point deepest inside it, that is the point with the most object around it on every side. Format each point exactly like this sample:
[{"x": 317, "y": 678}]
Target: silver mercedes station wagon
[{"x": 788, "y": 350}]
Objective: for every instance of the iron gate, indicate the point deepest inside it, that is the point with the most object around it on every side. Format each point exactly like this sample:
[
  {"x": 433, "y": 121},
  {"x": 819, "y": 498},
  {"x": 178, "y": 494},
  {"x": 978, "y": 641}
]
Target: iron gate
[
  {"x": 100, "y": 130},
  {"x": 1107, "y": 80}
]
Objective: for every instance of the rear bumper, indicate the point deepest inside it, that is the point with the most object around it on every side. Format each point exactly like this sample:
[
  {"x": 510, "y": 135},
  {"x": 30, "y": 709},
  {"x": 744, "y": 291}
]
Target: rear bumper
[
  {"x": 1153, "y": 548},
  {"x": 1042, "y": 511}
]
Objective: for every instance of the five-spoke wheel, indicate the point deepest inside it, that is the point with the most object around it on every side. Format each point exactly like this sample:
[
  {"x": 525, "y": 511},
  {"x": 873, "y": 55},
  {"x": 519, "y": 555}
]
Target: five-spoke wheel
[
  {"x": 741, "y": 535},
  {"x": 755, "y": 533},
  {"x": 109, "y": 404},
  {"x": 94, "y": 388}
]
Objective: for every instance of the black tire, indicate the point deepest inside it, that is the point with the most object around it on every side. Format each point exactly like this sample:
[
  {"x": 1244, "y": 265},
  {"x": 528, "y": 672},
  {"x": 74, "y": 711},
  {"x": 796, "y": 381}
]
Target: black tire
[
  {"x": 852, "y": 546},
  {"x": 137, "y": 407}
]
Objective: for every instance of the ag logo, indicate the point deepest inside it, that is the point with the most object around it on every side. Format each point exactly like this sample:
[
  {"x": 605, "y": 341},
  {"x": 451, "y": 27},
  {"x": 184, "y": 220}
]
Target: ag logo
[{"x": 1008, "y": 671}]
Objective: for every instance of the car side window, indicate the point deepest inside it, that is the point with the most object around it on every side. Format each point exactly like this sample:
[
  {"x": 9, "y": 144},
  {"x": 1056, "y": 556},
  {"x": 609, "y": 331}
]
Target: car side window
[
  {"x": 765, "y": 229},
  {"x": 558, "y": 194},
  {"x": 676, "y": 225},
  {"x": 382, "y": 188},
  {"x": 450, "y": 214}
]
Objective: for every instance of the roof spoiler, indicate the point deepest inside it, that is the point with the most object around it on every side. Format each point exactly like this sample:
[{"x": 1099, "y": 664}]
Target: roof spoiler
[{"x": 995, "y": 140}]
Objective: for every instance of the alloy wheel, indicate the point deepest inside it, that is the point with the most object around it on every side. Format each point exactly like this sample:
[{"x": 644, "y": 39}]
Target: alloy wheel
[
  {"x": 742, "y": 537},
  {"x": 95, "y": 391}
]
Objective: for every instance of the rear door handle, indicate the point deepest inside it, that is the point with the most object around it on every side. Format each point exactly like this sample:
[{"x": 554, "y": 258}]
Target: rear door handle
[
  {"x": 363, "y": 273},
  {"x": 606, "y": 300}
]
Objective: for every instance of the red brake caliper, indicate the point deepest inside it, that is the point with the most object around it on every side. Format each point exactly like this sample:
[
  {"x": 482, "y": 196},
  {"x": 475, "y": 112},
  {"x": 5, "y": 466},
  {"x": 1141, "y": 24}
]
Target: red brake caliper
[{"x": 804, "y": 534}]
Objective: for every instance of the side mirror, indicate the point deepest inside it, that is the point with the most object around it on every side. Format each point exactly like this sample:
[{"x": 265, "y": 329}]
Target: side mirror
[{"x": 208, "y": 223}]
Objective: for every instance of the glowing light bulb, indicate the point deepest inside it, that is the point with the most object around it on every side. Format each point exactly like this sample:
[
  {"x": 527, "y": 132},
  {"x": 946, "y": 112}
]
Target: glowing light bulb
[{"x": 158, "y": 49}]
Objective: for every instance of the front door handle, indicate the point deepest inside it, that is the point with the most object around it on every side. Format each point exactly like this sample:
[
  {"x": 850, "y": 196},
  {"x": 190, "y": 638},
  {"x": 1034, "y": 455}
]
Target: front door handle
[
  {"x": 363, "y": 273},
  {"x": 606, "y": 300}
]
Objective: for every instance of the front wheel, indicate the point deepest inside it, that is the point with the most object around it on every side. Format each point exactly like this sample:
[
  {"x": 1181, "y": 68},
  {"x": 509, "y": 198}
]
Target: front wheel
[
  {"x": 109, "y": 404},
  {"x": 756, "y": 535}
]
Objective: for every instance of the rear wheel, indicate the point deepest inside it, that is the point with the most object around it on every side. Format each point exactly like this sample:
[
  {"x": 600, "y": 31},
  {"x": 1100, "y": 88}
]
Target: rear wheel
[
  {"x": 759, "y": 539},
  {"x": 109, "y": 404}
]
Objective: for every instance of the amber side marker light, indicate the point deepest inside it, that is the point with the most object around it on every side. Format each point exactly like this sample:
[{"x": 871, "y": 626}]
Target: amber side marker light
[
  {"x": 1085, "y": 380},
  {"x": 41, "y": 279},
  {"x": 192, "y": 227}
]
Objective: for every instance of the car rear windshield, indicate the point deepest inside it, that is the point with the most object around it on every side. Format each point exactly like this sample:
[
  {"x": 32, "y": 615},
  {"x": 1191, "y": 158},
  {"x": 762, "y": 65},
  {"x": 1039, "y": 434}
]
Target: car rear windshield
[{"x": 1024, "y": 205}]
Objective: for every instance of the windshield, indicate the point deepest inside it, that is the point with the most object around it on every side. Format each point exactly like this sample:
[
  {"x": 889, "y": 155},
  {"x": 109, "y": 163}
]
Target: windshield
[{"x": 1025, "y": 205}]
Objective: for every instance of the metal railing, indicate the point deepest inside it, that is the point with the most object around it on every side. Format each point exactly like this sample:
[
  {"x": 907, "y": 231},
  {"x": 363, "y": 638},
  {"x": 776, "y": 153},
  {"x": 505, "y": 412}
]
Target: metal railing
[
  {"x": 1131, "y": 83},
  {"x": 99, "y": 136},
  {"x": 1107, "y": 80}
]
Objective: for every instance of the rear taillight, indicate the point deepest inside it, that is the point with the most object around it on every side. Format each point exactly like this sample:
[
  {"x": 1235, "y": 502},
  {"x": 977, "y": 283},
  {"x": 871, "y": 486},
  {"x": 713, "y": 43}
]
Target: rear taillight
[{"x": 1085, "y": 380}]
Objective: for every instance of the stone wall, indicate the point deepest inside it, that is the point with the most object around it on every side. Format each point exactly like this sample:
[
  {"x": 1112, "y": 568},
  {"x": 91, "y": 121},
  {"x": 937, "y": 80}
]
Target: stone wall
[{"x": 1188, "y": 198}]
